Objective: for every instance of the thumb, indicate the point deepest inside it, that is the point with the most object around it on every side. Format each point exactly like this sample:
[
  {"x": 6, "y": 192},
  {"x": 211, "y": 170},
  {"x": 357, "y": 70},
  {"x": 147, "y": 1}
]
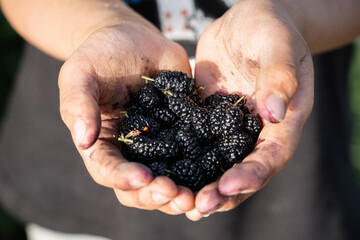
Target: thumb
[
  {"x": 79, "y": 103},
  {"x": 276, "y": 85}
]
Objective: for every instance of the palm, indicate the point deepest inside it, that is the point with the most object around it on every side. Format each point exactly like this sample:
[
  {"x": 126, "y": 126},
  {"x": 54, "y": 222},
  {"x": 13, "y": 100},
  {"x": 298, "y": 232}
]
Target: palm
[
  {"x": 220, "y": 67},
  {"x": 95, "y": 84},
  {"x": 121, "y": 58}
]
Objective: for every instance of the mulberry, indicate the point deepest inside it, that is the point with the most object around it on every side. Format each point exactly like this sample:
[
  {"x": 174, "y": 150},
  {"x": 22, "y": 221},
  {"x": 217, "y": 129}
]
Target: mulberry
[
  {"x": 172, "y": 131},
  {"x": 145, "y": 150},
  {"x": 140, "y": 123},
  {"x": 188, "y": 144},
  {"x": 234, "y": 148},
  {"x": 189, "y": 174},
  {"x": 211, "y": 162},
  {"x": 160, "y": 168},
  {"x": 201, "y": 125},
  {"x": 148, "y": 96},
  {"x": 164, "y": 115},
  {"x": 175, "y": 82},
  {"x": 225, "y": 119},
  {"x": 252, "y": 125},
  {"x": 181, "y": 105},
  {"x": 215, "y": 99}
]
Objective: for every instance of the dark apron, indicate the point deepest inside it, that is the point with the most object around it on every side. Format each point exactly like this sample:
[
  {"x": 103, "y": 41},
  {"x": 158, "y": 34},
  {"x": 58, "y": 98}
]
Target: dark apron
[{"x": 43, "y": 179}]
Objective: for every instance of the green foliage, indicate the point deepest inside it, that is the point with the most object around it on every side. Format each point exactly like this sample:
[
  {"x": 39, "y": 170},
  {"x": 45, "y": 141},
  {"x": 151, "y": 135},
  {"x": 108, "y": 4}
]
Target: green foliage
[
  {"x": 10, "y": 52},
  {"x": 10, "y": 48},
  {"x": 354, "y": 85},
  {"x": 10, "y": 229}
]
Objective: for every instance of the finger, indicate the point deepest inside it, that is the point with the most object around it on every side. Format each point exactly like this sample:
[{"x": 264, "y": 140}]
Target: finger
[
  {"x": 183, "y": 202},
  {"x": 277, "y": 81},
  {"x": 79, "y": 103},
  {"x": 278, "y": 77},
  {"x": 194, "y": 215},
  {"x": 233, "y": 201},
  {"x": 108, "y": 167},
  {"x": 277, "y": 142},
  {"x": 209, "y": 199},
  {"x": 153, "y": 196},
  {"x": 176, "y": 60},
  {"x": 274, "y": 89}
]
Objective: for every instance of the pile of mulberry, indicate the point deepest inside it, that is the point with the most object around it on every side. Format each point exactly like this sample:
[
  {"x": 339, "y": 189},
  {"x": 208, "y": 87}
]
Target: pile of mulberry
[{"x": 171, "y": 130}]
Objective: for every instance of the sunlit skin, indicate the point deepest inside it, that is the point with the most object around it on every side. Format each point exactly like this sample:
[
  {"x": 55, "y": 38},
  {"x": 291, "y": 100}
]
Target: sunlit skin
[
  {"x": 112, "y": 73},
  {"x": 259, "y": 48}
]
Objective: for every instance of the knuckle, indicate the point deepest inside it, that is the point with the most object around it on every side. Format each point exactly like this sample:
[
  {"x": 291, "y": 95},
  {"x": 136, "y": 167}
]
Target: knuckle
[
  {"x": 259, "y": 180},
  {"x": 98, "y": 176},
  {"x": 115, "y": 181},
  {"x": 66, "y": 72},
  {"x": 103, "y": 170},
  {"x": 284, "y": 77},
  {"x": 284, "y": 72},
  {"x": 124, "y": 203},
  {"x": 110, "y": 172},
  {"x": 62, "y": 73},
  {"x": 64, "y": 106},
  {"x": 290, "y": 76},
  {"x": 275, "y": 156},
  {"x": 141, "y": 202},
  {"x": 176, "y": 51}
]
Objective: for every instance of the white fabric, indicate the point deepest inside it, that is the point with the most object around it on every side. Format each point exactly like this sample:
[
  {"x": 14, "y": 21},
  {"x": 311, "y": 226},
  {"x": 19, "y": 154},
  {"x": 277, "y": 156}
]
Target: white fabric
[
  {"x": 180, "y": 20},
  {"x": 229, "y": 3},
  {"x": 36, "y": 232}
]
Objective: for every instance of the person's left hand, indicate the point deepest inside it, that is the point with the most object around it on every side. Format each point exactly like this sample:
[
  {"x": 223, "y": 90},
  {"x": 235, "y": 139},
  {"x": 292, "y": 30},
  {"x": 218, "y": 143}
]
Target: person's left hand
[{"x": 256, "y": 49}]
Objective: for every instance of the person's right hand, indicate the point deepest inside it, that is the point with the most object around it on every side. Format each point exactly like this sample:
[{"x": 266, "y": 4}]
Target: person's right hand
[{"x": 95, "y": 83}]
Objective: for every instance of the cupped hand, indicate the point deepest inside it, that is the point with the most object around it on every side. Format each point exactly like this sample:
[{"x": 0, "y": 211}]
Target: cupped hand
[
  {"x": 95, "y": 83},
  {"x": 256, "y": 49}
]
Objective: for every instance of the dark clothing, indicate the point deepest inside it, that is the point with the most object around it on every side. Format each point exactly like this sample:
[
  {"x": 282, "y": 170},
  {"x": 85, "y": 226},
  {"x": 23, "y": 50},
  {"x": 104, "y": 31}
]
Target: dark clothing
[{"x": 43, "y": 178}]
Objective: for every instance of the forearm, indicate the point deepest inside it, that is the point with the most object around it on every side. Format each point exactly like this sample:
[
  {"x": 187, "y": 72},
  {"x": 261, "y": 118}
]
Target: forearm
[
  {"x": 325, "y": 24},
  {"x": 58, "y": 27}
]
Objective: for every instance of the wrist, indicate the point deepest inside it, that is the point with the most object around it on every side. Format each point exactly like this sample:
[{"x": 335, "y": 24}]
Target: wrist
[
  {"x": 293, "y": 11},
  {"x": 290, "y": 12},
  {"x": 116, "y": 14}
]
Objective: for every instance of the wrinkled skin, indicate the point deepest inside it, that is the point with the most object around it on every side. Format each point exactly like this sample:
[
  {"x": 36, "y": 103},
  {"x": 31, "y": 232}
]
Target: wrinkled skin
[
  {"x": 255, "y": 49},
  {"x": 95, "y": 83}
]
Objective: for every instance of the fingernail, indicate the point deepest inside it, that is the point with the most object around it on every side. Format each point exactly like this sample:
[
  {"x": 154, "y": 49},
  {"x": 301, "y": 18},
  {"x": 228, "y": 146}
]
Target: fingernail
[
  {"x": 276, "y": 106},
  {"x": 136, "y": 184},
  {"x": 206, "y": 215},
  {"x": 159, "y": 198},
  {"x": 214, "y": 209},
  {"x": 246, "y": 191},
  {"x": 194, "y": 215},
  {"x": 80, "y": 130}
]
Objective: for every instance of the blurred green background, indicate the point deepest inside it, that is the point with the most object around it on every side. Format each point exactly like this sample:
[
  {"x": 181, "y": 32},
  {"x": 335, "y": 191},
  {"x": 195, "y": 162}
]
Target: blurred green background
[
  {"x": 354, "y": 87},
  {"x": 11, "y": 46}
]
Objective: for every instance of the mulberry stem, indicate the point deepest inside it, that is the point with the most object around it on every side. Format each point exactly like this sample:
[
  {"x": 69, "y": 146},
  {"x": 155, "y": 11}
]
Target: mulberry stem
[
  {"x": 147, "y": 79},
  {"x": 238, "y": 101},
  {"x": 122, "y": 139},
  {"x": 168, "y": 92},
  {"x": 201, "y": 87},
  {"x": 125, "y": 113}
]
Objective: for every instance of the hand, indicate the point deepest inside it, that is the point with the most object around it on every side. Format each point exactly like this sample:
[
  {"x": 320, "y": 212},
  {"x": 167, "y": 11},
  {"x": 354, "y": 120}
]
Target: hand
[
  {"x": 256, "y": 49},
  {"x": 95, "y": 83}
]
